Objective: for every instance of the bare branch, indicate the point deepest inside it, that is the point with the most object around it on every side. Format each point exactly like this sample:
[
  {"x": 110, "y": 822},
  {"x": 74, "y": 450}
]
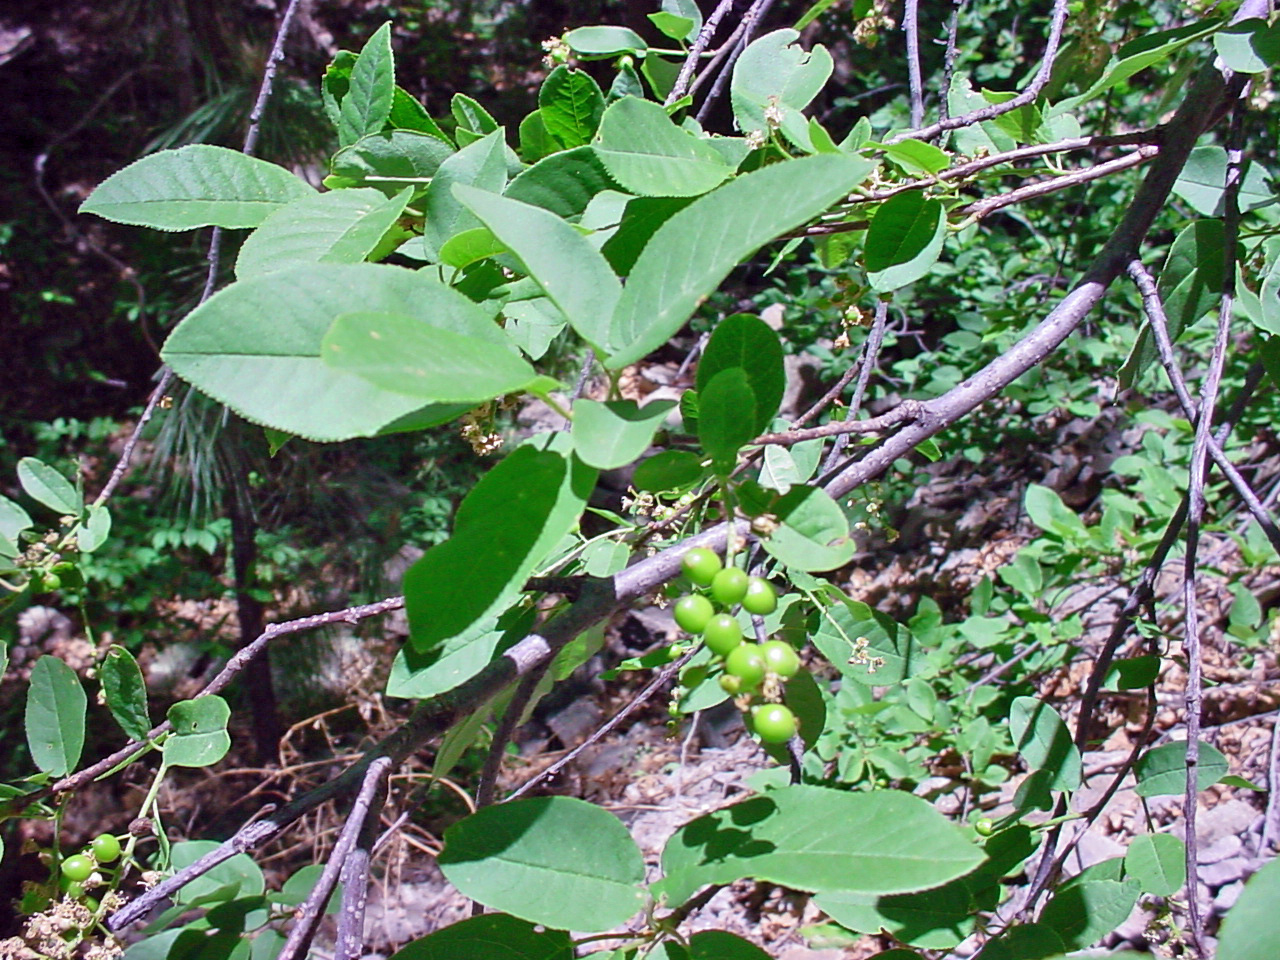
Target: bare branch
[
  {"x": 870, "y": 360},
  {"x": 911, "y": 27},
  {"x": 709, "y": 27},
  {"x": 905, "y": 412}
]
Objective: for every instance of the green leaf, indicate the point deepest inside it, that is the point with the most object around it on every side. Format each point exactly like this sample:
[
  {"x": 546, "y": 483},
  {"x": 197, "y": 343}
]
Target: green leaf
[
  {"x": 1133, "y": 673},
  {"x": 693, "y": 251},
  {"x": 1249, "y": 931},
  {"x": 465, "y": 248},
  {"x": 1082, "y": 913},
  {"x": 1044, "y": 742},
  {"x": 195, "y": 186},
  {"x": 199, "y": 736},
  {"x": 1190, "y": 286},
  {"x": 727, "y": 417},
  {"x": 390, "y": 161},
  {"x": 482, "y": 165},
  {"x": 504, "y": 528},
  {"x": 775, "y": 74},
  {"x": 570, "y": 271},
  {"x": 419, "y": 675},
  {"x": 46, "y": 485},
  {"x": 342, "y": 226},
  {"x": 13, "y": 519},
  {"x": 844, "y": 624},
  {"x": 813, "y": 533},
  {"x": 564, "y": 183},
  {"x": 1028, "y": 941},
  {"x": 916, "y": 156},
  {"x": 96, "y": 529},
  {"x": 126, "y": 692},
  {"x": 402, "y": 354},
  {"x": 535, "y": 142},
  {"x": 557, "y": 861},
  {"x": 367, "y": 104},
  {"x": 722, "y": 945},
  {"x": 1047, "y": 511},
  {"x": 272, "y": 373},
  {"x": 473, "y": 120},
  {"x": 595, "y": 42},
  {"x": 335, "y": 83},
  {"x": 801, "y": 837},
  {"x": 688, "y": 9},
  {"x": 491, "y": 936},
  {"x": 640, "y": 220},
  {"x": 1202, "y": 183},
  {"x": 55, "y": 714},
  {"x": 613, "y": 434},
  {"x": 669, "y": 470},
  {"x": 408, "y": 114},
  {"x": 571, "y": 104},
  {"x": 904, "y": 240},
  {"x": 647, "y": 154},
  {"x": 748, "y": 343},
  {"x": 672, "y": 25},
  {"x": 238, "y": 876},
  {"x": 1249, "y": 46},
  {"x": 936, "y": 919},
  {"x": 1162, "y": 771},
  {"x": 1158, "y": 862}
]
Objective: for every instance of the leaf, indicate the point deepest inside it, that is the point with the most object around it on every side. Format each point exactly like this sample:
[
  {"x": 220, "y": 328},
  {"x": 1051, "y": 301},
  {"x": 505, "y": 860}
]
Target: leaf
[
  {"x": 1202, "y": 183},
  {"x": 773, "y": 74},
  {"x": 402, "y": 354},
  {"x": 1158, "y": 862},
  {"x": 613, "y": 434},
  {"x": 845, "y": 623},
  {"x": 408, "y": 114},
  {"x": 803, "y": 837},
  {"x": 936, "y": 919},
  {"x": 504, "y": 528},
  {"x": 571, "y": 104},
  {"x": 342, "y": 226},
  {"x": 640, "y": 220},
  {"x": 749, "y": 344},
  {"x": 1249, "y": 46},
  {"x": 1162, "y": 771},
  {"x": 726, "y": 417},
  {"x": 535, "y": 143},
  {"x": 668, "y": 470},
  {"x": 564, "y": 183},
  {"x": 126, "y": 692},
  {"x": 596, "y": 42},
  {"x": 1249, "y": 931},
  {"x": 473, "y": 120},
  {"x": 571, "y": 272},
  {"x": 693, "y": 251},
  {"x": 916, "y": 156},
  {"x": 492, "y": 936},
  {"x": 671, "y": 25},
  {"x": 557, "y": 861},
  {"x": 904, "y": 240},
  {"x": 199, "y": 736},
  {"x": 1047, "y": 511},
  {"x": 1029, "y": 941},
  {"x": 46, "y": 485},
  {"x": 722, "y": 945},
  {"x": 813, "y": 534},
  {"x": 195, "y": 186},
  {"x": 465, "y": 248},
  {"x": 96, "y": 529},
  {"x": 1082, "y": 913},
  {"x": 647, "y": 154},
  {"x": 688, "y": 9},
  {"x": 419, "y": 675},
  {"x": 482, "y": 165},
  {"x": 55, "y": 715},
  {"x": 367, "y": 104},
  {"x": 237, "y": 876},
  {"x": 390, "y": 161},
  {"x": 13, "y": 519},
  {"x": 1044, "y": 742}
]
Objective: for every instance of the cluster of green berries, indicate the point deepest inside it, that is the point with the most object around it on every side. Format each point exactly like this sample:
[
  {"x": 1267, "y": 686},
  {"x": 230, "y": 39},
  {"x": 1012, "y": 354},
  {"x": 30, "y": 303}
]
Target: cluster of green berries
[
  {"x": 747, "y": 665},
  {"x": 79, "y": 867}
]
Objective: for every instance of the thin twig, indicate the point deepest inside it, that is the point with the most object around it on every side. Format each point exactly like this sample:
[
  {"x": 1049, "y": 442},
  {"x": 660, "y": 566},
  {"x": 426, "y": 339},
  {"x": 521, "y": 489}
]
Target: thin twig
[
  {"x": 870, "y": 360},
  {"x": 349, "y": 944},
  {"x": 905, "y": 412},
  {"x": 911, "y": 27},
  {"x": 949, "y": 58},
  {"x": 700, "y": 42}
]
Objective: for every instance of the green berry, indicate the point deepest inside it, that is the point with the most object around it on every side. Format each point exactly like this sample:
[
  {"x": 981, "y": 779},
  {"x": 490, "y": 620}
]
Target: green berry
[
  {"x": 105, "y": 847},
  {"x": 77, "y": 868},
  {"x": 729, "y": 586},
  {"x": 693, "y": 613},
  {"x": 774, "y": 723},
  {"x": 760, "y": 597},
  {"x": 49, "y": 583},
  {"x": 730, "y": 684},
  {"x": 746, "y": 663},
  {"x": 700, "y": 565},
  {"x": 781, "y": 658},
  {"x": 722, "y": 633},
  {"x": 985, "y": 826}
]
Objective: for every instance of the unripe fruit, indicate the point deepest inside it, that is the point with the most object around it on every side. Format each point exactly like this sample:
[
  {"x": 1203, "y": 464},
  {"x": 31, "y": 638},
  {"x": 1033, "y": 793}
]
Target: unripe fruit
[
  {"x": 50, "y": 583},
  {"x": 694, "y": 612},
  {"x": 77, "y": 868},
  {"x": 985, "y": 826},
  {"x": 745, "y": 663},
  {"x": 722, "y": 634},
  {"x": 729, "y": 586},
  {"x": 105, "y": 847},
  {"x": 774, "y": 723},
  {"x": 730, "y": 684},
  {"x": 700, "y": 565},
  {"x": 760, "y": 598},
  {"x": 781, "y": 658}
]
